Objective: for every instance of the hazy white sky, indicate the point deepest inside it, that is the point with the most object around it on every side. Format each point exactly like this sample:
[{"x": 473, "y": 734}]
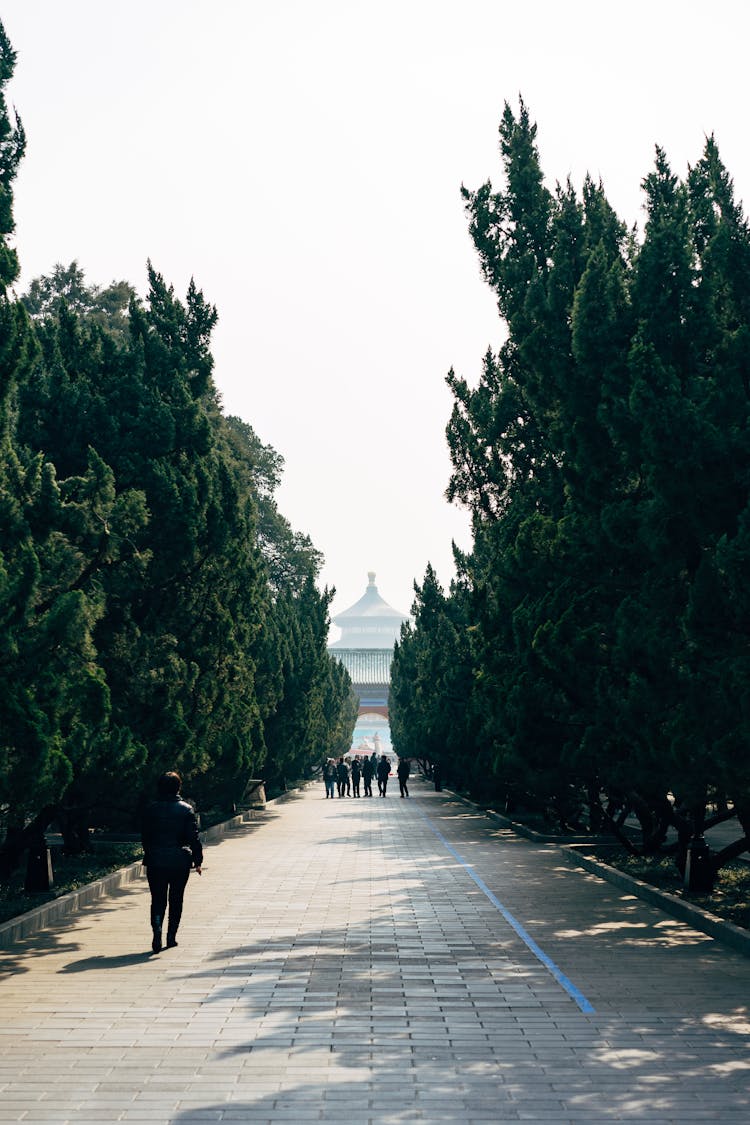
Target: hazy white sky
[{"x": 302, "y": 160}]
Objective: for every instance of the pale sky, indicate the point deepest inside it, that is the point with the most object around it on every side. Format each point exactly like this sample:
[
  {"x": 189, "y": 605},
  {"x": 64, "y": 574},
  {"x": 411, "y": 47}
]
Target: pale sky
[{"x": 302, "y": 160}]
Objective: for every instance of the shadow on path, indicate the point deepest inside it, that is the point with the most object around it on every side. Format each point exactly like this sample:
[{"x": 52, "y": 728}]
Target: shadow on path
[{"x": 104, "y": 962}]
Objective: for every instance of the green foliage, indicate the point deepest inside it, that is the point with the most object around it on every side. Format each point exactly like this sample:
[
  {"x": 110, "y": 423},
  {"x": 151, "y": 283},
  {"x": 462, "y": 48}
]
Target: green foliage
[
  {"x": 431, "y": 681},
  {"x": 156, "y": 609},
  {"x": 66, "y": 288},
  {"x": 289, "y": 555},
  {"x": 213, "y": 645},
  {"x": 12, "y": 145},
  {"x": 605, "y": 460},
  {"x": 316, "y": 710}
]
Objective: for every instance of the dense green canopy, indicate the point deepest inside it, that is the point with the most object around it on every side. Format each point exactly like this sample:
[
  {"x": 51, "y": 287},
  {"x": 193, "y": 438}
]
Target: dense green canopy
[
  {"x": 592, "y": 659},
  {"x": 156, "y": 609}
]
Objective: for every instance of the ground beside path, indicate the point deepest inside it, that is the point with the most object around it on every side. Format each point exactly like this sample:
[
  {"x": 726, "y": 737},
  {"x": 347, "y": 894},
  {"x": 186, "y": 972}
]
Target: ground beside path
[{"x": 377, "y": 961}]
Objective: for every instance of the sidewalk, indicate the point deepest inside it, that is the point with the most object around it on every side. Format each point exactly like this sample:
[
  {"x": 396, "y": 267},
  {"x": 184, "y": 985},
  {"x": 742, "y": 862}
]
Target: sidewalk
[{"x": 369, "y": 961}]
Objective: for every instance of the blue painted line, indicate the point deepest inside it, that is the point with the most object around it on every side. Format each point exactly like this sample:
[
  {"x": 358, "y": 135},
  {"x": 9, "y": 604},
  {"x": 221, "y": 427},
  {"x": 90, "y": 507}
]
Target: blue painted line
[{"x": 526, "y": 938}]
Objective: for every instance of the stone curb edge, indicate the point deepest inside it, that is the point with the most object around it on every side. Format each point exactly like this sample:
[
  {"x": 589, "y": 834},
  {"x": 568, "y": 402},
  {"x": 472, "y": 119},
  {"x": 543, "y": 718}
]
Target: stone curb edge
[
  {"x": 695, "y": 916},
  {"x": 541, "y": 837},
  {"x": 703, "y": 920},
  {"x": 33, "y": 921}
]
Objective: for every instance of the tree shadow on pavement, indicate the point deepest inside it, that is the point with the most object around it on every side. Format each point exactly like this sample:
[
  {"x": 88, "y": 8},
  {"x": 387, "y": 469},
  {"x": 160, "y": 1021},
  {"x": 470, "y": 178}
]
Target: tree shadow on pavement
[{"x": 55, "y": 937}]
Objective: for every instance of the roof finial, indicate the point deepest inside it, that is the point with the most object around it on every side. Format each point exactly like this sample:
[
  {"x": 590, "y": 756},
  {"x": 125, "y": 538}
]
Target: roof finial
[{"x": 371, "y": 577}]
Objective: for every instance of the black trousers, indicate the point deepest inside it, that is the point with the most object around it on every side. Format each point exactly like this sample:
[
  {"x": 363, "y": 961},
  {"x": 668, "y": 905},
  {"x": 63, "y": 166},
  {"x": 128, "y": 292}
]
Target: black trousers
[{"x": 167, "y": 883}]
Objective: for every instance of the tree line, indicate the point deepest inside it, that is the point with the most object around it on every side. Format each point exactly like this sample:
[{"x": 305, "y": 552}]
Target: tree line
[
  {"x": 591, "y": 660},
  {"x": 156, "y": 609}
]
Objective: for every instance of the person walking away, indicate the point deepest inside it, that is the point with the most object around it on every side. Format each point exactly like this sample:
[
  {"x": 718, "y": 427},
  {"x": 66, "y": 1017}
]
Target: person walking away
[
  {"x": 342, "y": 776},
  {"x": 171, "y": 846},
  {"x": 367, "y": 771},
  {"x": 402, "y": 771},
  {"x": 329, "y": 777},
  {"x": 356, "y": 775},
  {"x": 348, "y": 763},
  {"x": 384, "y": 770}
]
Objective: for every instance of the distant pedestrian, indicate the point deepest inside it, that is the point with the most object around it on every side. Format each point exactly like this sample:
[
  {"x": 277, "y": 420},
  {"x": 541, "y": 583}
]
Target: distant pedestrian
[
  {"x": 171, "y": 846},
  {"x": 367, "y": 771},
  {"x": 384, "y": 770},
  {"x": 356, "y": 775},
  {"x": 329, "y": 777},
  {"x": 348, "y": 763},
  {"x": 402, "y": 772},
  {"x": 342, "y": 776},
  {"x": 437, "y": 777}
]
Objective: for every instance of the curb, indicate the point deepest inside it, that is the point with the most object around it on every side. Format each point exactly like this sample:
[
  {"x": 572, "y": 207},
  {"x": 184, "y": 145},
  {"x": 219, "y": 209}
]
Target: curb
[
  {"x": 522, "y": 830},
  {"x": 695, "y": 916},
  {"x": 57, "y": 909},
  {"x": 541, "y": 837},
  {"x": 25, "y": 925}
]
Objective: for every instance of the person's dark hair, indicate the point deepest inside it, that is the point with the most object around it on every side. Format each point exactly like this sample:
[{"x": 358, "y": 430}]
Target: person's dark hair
[{"x": 169, "y": 784}]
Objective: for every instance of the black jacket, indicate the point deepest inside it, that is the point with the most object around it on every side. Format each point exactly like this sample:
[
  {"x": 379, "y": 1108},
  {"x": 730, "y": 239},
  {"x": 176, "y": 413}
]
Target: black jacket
[
  {"x": 384, "y": 768},
  {"x": 170, "y": 835}
]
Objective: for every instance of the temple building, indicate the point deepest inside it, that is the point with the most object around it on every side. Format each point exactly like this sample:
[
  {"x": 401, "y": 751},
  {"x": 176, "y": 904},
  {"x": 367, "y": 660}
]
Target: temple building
[{"x": 369, "y": 630}]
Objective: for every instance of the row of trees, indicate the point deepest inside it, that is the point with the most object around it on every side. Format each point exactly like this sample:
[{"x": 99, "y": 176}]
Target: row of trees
[
  {"x": 592, "y": 658},
  {"x": 156, "y": 609}
]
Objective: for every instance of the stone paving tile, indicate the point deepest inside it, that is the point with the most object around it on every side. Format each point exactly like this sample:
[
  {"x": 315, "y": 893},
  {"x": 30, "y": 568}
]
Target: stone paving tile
[{"x": 337, "y": 962}]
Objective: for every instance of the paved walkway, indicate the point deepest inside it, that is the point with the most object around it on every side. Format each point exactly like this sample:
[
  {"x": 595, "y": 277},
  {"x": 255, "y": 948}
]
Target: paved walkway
[{"x": 377, "y": 961}]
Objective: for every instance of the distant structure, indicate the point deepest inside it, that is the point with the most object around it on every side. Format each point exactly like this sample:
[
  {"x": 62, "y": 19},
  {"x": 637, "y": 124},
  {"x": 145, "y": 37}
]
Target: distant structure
[{"x": 369, "y": 630}]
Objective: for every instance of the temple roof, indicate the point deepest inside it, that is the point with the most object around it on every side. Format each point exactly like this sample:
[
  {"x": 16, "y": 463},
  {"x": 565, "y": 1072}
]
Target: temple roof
[
  {"x": 367, "y": 666},
  {"x": 369, "y": 605},
  {"x": 369, "y": 623}
]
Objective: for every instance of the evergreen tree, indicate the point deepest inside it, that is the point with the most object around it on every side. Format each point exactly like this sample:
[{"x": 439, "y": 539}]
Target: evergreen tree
[
  {"x": 66, "y": 287},
  {"x": 53, "y": 696},
  {"x": 216, "y": 586},
  {"x": 156, "y": 609},
  {"x": 315, "y": 714},
  {"x": 431, "y": 714},
  {"x": 603, "y": 456}
]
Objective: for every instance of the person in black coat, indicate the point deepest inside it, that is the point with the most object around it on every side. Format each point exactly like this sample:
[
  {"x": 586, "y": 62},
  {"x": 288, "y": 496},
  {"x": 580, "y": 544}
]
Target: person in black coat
[
  {"x": 342, "y": 777},
  {"x": 403, "y": 770},
  {"x": 356, "y": 775},
  {"x": 171, "y": 846},
  {"x": 384, "y": 770},
  {"x": 368, "y": 769}
]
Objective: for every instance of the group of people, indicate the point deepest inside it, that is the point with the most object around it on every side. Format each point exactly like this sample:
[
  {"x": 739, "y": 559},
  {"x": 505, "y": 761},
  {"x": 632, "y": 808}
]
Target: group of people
[{"x": 346, "y": 774}]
